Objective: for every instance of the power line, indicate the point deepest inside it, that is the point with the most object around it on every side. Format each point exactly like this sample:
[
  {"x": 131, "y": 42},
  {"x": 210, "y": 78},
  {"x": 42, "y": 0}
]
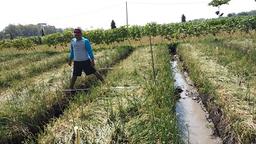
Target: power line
[{"x": 169, "y": 3}]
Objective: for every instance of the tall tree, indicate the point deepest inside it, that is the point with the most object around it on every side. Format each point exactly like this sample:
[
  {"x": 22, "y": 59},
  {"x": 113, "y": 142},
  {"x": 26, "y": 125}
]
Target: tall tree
[
  {"x": 113, "y": 24},
  {"x": 11, "y": 31},
  {"x": 183, "y": 18},
  {"x": 218, "y": 3}
]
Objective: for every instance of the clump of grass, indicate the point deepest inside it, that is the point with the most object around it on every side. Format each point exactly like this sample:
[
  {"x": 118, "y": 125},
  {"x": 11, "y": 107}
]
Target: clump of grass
[{"x": 157, "y": 123}]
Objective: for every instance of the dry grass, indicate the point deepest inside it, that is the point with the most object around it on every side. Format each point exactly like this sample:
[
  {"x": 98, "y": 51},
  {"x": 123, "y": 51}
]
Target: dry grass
[
  {"x": 230, "y": 93},
  {"x": 123, "y": 110}
]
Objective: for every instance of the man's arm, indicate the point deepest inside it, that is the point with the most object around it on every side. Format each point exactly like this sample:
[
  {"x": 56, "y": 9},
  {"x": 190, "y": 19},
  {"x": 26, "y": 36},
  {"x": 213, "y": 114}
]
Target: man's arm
[{"x": 89, "y": 51}]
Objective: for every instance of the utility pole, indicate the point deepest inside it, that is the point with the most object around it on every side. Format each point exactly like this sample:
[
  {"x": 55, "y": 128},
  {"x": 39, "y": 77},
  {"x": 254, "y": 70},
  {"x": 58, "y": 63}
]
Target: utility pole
[
  {"x": 127, "y": 23},
  {"x": 126, "y": 14}
]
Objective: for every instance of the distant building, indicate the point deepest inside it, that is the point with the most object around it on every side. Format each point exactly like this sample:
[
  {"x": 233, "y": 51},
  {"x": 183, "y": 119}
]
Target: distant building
[{"x": 42, "y": 24}]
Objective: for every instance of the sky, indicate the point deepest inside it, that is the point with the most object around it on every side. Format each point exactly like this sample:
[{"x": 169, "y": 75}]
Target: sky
[{"x": 94, "y": 14}]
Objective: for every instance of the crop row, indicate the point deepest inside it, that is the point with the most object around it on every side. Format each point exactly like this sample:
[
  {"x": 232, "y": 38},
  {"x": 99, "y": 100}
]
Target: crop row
[{"x": 26, "y": 110}]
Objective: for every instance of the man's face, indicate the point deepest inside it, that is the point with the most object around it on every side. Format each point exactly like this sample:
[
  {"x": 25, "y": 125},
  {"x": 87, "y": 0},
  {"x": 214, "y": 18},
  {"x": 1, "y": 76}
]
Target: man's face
[{"x": 78, "y": 35}]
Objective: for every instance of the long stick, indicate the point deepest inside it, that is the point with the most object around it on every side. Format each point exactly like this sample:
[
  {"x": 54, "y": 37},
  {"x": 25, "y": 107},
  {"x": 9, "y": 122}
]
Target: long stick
[{"x": 152, "y": 58}]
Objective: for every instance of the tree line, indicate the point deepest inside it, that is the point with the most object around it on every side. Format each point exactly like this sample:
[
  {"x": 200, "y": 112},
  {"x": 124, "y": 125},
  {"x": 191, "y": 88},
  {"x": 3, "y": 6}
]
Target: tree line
[
  {"x": 250, "y": 13},
  {"x": 168, "y": 31},
  {"x": 14, "y": 31}
]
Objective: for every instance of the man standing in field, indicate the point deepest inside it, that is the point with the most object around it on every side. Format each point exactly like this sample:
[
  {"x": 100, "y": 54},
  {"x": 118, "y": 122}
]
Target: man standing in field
[{"x": 82, "y": 55}]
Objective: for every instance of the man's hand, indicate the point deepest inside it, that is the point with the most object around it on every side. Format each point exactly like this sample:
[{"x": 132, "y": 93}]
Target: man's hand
[
  {"x": 93, "y": 62},
  {"x": 69, "y": 62}
]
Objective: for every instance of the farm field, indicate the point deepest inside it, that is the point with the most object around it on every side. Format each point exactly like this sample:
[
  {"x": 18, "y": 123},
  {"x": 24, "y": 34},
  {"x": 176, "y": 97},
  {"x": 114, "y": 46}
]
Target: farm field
[{"x": 138, "y": 100}]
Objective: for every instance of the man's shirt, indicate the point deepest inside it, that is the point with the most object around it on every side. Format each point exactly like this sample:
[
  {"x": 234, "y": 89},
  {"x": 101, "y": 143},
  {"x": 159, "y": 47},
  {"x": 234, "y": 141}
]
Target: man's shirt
[{"x": 80, "y": 50}]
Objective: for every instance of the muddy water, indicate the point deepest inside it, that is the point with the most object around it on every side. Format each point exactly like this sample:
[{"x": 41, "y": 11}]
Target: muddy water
[{"x": 192, "y": 117}]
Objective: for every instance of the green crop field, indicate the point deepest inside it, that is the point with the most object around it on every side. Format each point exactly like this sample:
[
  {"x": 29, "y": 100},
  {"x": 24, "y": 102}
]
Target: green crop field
[{"x": 136, "y": 103}]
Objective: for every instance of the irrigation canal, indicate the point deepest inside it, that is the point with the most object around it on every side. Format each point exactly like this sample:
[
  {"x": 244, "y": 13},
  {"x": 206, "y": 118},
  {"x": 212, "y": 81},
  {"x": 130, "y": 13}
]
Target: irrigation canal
[{"x": 194, "y": 124}]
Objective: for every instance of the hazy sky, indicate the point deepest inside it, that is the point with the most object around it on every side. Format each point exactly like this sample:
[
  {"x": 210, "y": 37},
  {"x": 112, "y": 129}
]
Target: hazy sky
[{"x": 92, "y": 14}]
